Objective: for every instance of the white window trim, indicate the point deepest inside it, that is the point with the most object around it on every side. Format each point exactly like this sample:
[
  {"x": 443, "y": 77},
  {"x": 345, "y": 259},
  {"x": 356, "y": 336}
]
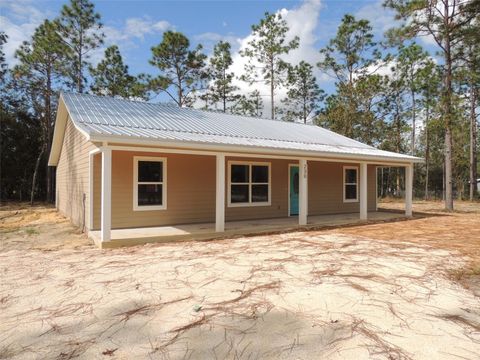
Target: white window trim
[
  {"x": 249, "y": 203},
  {"x": 345, "y": 168},
  {"x": 136, "y": 207}
]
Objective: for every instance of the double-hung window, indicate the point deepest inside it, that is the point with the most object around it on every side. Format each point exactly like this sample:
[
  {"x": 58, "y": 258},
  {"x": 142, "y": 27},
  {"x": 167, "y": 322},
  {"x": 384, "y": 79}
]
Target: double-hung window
[
  {"x": 149, "y": 183},
  {"x": 350, "y": 183},
  {"x": 249, "y": 184}
]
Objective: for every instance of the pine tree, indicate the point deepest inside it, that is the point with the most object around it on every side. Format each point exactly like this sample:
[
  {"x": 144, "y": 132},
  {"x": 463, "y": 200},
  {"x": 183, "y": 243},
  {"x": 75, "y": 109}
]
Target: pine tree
[
  {"x": 468, "y": 75},
  {"x": 350, "y": 57},
  {"x": 222, "y": 89},
  {"x": 444, "y": 21},
  {"x": 41, "y": 67},
  {"x": 303, "y": 95},
  {"x": 182, "y": 69},
  {"x": 411, "y": 60},
  {"x": 429, "y": 85},
  {"x": 251, "y": 105},
  {"x": 111, "y": 78},
  {"x": 80, "y": 27},
  {"x": 264, "y": 51}
]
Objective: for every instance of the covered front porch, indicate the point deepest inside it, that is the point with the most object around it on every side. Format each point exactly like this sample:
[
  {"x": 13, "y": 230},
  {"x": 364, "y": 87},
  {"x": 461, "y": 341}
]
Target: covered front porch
[
  {"x": 206, "y": 231},
  {"x": 227, "y": 220}
]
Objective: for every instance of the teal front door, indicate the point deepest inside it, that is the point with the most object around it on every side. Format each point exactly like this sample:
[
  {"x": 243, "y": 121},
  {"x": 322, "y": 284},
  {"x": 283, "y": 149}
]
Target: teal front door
[{"x": 293, "y": 191}]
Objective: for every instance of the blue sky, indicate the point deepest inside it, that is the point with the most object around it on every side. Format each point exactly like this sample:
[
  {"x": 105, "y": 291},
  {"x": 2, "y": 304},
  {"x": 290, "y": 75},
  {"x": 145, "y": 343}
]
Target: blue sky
[{"x": 136, "y": 26}]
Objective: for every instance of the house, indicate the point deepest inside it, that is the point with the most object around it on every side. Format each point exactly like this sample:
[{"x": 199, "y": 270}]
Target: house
[{"x": 132, "y": 172}]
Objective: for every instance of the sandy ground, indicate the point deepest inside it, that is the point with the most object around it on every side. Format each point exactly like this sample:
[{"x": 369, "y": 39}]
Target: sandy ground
[
  {"x": 39, "y": 228},
  {"x": 364, "y": 292}
]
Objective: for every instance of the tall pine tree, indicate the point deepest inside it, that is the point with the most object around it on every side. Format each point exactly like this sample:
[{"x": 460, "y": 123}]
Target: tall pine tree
[
  {"x": 182, "y": 68},
  {"x": 265, "y": 50},
  {"x": 222, "y": 89},
  {"x": 444, "y": 21},
  {"x": 80, "y": 28},
  {"x": 350, "y": 57},
  {"x": 111, "y": 78},
  {"x": 42, "y": 66},
  {"x": 303, "y": 95}
]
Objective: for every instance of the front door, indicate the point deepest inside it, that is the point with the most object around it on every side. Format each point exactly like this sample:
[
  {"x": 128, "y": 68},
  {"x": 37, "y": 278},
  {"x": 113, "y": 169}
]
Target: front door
[{"x": 293, "y": 191}]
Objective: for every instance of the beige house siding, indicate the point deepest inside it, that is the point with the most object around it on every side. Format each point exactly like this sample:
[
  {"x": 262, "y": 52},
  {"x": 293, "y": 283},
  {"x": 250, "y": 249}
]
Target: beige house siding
[
  {"x": 325, "y": 189},
  {"x": 191, "y": 190},
  {"x": 72, "y": 176}
]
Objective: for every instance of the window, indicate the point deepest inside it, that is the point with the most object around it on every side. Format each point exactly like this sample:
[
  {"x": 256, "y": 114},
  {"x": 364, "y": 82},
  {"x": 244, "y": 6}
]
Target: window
[
  {"x": 350, "y": 184},
  {"x": 249, "y": 184},
  {"x": 149, "y": 183}
]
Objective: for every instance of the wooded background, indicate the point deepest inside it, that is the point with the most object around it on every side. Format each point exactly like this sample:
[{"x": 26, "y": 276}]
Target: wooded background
[{"x": 390, "y": 92}]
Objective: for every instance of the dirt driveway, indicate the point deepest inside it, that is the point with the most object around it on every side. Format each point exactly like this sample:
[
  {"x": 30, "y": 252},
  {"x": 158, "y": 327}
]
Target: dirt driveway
[{"x": 365, "y": 292}]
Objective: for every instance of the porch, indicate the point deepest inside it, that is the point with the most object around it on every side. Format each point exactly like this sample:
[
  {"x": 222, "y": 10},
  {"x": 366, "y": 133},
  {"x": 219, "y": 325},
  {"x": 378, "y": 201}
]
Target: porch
[
  {"x": 206, "y": 205},
  {"x": 206, "y": 231}
]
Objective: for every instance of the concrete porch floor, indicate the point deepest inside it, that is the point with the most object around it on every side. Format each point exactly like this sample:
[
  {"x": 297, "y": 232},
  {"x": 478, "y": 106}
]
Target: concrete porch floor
[{"x": 206, "y": 231}]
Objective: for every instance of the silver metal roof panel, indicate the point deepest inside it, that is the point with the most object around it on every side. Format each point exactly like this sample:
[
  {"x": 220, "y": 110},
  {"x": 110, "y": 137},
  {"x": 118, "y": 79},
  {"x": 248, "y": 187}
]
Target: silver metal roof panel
[{"x": 111, "y": 117}]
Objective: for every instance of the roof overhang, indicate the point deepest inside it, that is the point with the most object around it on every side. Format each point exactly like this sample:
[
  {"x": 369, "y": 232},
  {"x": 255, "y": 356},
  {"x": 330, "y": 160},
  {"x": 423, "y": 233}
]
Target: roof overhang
[{"x": 136, "y": 141}]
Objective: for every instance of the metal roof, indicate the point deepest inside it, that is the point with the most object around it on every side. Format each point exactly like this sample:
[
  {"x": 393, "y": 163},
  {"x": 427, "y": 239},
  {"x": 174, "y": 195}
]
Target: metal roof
[{"x": 103, "y": 118}]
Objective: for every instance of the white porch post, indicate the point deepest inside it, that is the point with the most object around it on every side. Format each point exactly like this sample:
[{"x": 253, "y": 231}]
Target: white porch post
[
  {"x": 303, "y": 192},
  {"x": 408, "y": 189},
  {"x": 106, "y": 221},
  {"x": 220, "y": 194},
  {"x": 363, "y": 192}
]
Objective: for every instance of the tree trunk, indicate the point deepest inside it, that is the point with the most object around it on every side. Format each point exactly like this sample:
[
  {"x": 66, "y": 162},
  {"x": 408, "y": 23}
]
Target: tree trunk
[
  {"x": 272, "y": 91},
  {"x": 473, "y": 142},
  {"x": 35, "y": 172},
  {"x": 304, "y": 112},
  {"x": 448, "y": 113},
  {"x": 427, "y": 148},
  {"x": 224, "y": 90},
  {"x": 79, "y": 70},
  {"x": 48, "y": 128},
  {"x": 180, "y": 95}
]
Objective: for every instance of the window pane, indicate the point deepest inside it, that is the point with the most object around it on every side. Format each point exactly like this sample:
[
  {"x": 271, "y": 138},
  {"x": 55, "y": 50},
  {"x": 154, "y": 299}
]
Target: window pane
[
  {"x": 150, "y": 171},
  {"x": 351, "y": 176},
  {"x": 239, "y": 174},
  {"x": 259, "y": 193},
  {"x": 239, "y": 194},
  {"x": 149, "y": 195},
  {"x": 351, "y": 192},
  {"x": 259, "y": 174}
]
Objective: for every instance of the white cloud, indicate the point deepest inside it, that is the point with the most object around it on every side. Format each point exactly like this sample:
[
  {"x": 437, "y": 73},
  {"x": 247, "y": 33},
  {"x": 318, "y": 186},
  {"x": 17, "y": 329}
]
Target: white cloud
[
  {"x": 381, "y": 19},
  {"x": 139, "y": 27},
  {"x": 128, "y": 34},
  {"x": 302, "y": 22},
  {"x": 19, "y": 20},
  {"x": 22, "y": 20},
  {"x": 135, "y": 29}
]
